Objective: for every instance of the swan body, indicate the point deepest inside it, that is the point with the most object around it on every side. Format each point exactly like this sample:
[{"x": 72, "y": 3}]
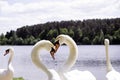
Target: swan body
[
  {"x": 63, "y": 71},
  {"x": 47, "y": 45},
  {"x": 7, "y": 74},
  {"x": 79, "y": 75},
  {"x": 112, "y": 74}
]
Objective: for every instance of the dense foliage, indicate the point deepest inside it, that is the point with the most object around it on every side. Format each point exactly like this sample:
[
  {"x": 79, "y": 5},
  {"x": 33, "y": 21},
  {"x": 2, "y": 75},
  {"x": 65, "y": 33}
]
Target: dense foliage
[{"x": 91, "y": 31}]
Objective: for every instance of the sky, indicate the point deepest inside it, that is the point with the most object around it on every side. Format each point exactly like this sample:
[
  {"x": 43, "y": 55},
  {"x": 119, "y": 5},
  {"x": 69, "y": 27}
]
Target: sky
[{"x": 17, "y": 13}]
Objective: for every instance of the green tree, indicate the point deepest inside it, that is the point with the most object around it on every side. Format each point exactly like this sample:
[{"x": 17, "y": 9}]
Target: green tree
[
  {"x": 101, "y": 37},
  {"x": 19, "y": 41},
  {"x": 90, "y": 31},
  {"x": 52, "y": 34},
  {"x": 116, "y": 37},
  {"x": 63, "y": 31},
  {"x": 3, "y": 40},
  {"x": 86, "y": 40},
  {"x": 95, "y": 40},
  {"x": 71, "y": 33},
  {"x": 117, "y": 34},
  {"x": 109, "y": 37},
  {"x": 13, "y": 39},
  {"x": 30, "y": 40},
  {"x": 78, "y": 35}
]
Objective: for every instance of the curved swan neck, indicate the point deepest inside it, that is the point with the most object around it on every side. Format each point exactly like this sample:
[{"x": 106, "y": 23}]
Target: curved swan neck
[
  {"x": 36, "y": 60},
  {"x": 72, "y": 56},
  {"x": 109, "y": 65},
  {"x": 10, "y": 59}
]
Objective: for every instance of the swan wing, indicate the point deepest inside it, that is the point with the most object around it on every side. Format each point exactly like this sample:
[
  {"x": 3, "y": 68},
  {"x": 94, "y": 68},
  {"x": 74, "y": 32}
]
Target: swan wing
[
  {"x": 6, "y": 74},
  {"x": 113, "y": 75},
  {"x": 79, "y": 75},
  {"x": 3, "y": 72}
]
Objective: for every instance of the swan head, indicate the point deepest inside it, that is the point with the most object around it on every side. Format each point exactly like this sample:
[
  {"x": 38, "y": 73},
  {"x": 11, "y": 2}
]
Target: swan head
[
  {"x": 49, "y": 47},
  {"x": 9, "y": 50},
  {"x": 106, "y": 41},
  {"x": 59, "y": 41}
]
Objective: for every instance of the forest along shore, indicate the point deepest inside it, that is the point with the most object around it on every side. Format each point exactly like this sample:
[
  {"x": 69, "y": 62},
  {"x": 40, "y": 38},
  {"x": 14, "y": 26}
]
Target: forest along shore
[{"x": 86, "y": 32}]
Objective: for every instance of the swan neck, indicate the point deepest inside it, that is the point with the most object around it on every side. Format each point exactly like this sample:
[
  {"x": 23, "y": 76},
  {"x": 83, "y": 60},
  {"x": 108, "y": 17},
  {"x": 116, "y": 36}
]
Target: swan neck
[
  {"x": 37, "y": 61},
  {"x": 73, "y": 49},
  {"x": 109, "y": 65},
  {"x": 10, "y": 60}
]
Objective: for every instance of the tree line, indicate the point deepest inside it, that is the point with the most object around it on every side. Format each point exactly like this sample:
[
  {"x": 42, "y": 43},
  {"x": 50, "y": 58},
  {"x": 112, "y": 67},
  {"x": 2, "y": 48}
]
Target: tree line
[{"x": 90, "y": 31}]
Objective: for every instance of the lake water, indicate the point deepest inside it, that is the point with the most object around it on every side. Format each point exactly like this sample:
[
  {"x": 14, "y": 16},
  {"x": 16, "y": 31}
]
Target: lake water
[{"x": 90, "y": 58}]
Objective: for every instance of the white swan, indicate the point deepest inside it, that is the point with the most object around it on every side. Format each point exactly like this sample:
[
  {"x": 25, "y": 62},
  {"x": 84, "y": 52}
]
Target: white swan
[
  {"x": 63, "y": 71},
  {"x": 7, "y": 74},
  {"x": 112, "y": 74},
  {"x": 47, "y": 45}
]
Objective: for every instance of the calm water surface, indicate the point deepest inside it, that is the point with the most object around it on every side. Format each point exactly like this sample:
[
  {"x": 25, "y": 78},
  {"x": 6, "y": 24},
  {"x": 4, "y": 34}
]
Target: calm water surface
[{"x": 90, "y": 58}]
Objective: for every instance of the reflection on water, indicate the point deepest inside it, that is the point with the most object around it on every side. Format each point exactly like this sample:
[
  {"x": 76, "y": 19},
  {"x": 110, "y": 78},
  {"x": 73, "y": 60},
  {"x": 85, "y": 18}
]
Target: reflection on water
[
  {"x": 93, "y": 63},
  {"x": 90, "y": 58}
]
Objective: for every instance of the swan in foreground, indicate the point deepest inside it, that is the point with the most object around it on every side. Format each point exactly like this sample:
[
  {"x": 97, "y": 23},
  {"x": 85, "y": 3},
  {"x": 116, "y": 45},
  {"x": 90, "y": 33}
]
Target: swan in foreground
[
  {"x": 47, "y": 45},
  {"x": 112, "y": 74},
  {"x": 7, "y": 74},
  {"x": 63, "y": 71}
]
